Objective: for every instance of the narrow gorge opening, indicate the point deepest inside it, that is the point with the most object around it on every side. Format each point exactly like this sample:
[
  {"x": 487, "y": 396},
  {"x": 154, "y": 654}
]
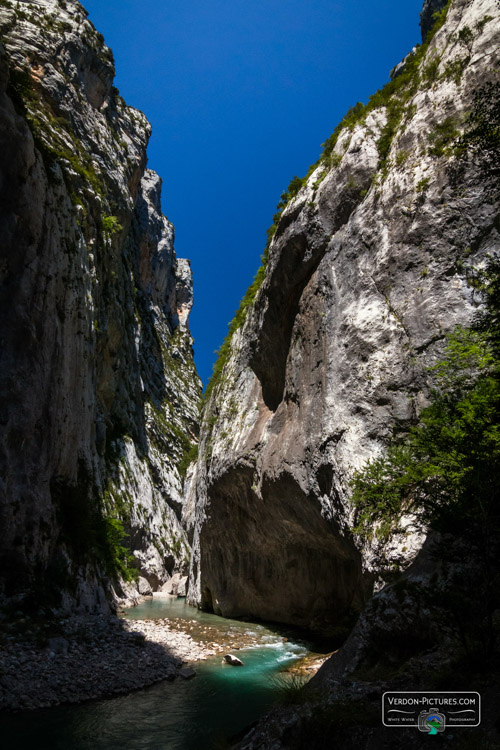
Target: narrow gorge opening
[{"x": 327, "y": 508}]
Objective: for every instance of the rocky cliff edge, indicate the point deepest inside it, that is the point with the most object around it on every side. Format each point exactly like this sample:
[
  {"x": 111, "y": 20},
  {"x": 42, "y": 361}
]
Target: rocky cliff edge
[
  {"x": 367, "y": 270},
  {"x": 100, "y": 395}
]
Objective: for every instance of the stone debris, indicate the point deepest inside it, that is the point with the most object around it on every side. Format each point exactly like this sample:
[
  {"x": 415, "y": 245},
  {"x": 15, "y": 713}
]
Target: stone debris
[{"x": 96, "y": 656}]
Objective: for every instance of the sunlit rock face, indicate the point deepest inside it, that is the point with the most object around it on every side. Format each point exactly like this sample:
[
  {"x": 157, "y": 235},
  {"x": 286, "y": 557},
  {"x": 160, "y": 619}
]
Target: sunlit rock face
[
  {"x": 368, "y": 270},
  {"x": 99, "y": 391}
]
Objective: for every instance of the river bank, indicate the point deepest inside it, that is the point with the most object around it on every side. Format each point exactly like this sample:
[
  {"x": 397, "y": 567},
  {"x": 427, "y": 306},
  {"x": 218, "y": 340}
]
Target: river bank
[
  {"x": 86, "y": 657},
  {"x": 95, "y": 669},
  {"x": 77, "y": 659}
]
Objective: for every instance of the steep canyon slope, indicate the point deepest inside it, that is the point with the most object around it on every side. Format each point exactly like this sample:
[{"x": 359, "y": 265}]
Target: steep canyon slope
[
  {"x": 367, "y": 270},
  {"x": 100, "y": 396}
]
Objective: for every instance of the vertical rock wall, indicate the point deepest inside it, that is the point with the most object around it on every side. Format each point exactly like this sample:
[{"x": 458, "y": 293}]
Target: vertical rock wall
[
  {"x": 99, "y": 394},
  {"x": 368, "y": 270}
]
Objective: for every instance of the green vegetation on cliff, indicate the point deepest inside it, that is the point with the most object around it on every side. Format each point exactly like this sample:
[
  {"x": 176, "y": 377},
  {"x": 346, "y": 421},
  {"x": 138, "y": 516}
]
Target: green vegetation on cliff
[
  {"x": 90, "y": 529},
  {"x": 52, "y": 135},
  {"x": 443, "y": 478},
  {"x": 238, "y": 320},
  {"x": 394, "y": 96},
  {"x": 446, "y": 467},
  {"x": 444, "y": 473}
]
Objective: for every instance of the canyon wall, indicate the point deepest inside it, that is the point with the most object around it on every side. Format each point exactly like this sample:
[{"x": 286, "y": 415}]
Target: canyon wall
[
  {"x": 99, "y": 394},
  {"x": 367, "y": 270}
]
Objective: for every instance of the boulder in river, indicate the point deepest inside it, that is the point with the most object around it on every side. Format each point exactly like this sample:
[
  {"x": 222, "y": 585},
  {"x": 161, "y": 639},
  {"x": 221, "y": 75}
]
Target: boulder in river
[
  {"x": 233, "y": 660},
  {"x": 144, "y": 587},
  {"x": 176, "y": 585},
  {"x": 187, "y": 673}
]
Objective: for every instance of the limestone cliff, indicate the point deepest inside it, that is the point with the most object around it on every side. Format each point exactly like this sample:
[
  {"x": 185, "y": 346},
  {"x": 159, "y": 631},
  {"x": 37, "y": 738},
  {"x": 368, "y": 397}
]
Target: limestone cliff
[
  {"x": 366, "y": 272},
  {"x": 99, "y": 391}
]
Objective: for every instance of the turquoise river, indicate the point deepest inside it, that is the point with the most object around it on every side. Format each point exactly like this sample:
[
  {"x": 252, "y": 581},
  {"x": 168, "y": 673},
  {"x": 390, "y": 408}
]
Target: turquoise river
[{"x": 204, "y": 712}]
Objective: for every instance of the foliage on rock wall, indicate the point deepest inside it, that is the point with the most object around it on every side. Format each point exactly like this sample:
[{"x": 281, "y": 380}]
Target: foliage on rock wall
[
  {"x": 52, "y": 135},
  {"x": 394, "y": 96},
  {"x": 87, "y": 529},
  {"x": 120, "y": 358},
  {"x": 444, "y": 473},
  {"x": 238, "y": 320},
  {"x": 481, "y": 136}
]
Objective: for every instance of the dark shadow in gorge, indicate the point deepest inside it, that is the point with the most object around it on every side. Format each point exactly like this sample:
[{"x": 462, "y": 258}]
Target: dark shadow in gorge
[{"x": 272, "y": 556}]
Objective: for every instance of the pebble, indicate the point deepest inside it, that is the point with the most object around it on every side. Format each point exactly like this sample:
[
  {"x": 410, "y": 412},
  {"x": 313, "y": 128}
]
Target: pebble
[
  {"x": 95, "y": 656},
  {"x": 98, "y": 656}
]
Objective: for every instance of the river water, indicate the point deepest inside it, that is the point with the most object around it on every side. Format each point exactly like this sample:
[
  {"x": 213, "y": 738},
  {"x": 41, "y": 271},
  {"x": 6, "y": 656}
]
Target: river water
[{"x": 197, "y": 714}]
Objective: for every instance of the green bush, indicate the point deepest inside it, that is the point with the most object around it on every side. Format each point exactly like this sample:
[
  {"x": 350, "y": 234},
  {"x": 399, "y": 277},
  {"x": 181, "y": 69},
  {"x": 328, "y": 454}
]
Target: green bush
[
  {"x": 444, "y": 471},
  {"x": 423, "y": 184},
  {"x": 394, "y": 115},
  {"x": 238, "y": 320},
  {"x": 288, "y": 687},
  {"x": 447, "y": 462},
  {"x": 187, "y": 459},
  {"x": 91, "y": 532},
  {"x": 293, "y": 188},
  {"x": 401, "y": 157},
  {"x": 444, "y": 476},
  {"x": 455, "y": 69},
  {"x": 482, "y": 23},
  {"x": 482, "y": 126},
  {"x": 119, "y": 559},
  {"x": 443, "y": 135},
  {"x": 430, "y": 71},
  {"x": 111, "y": 225},
  {"x": 466, "y": 37},
  {"x": 352, "y": 117}
]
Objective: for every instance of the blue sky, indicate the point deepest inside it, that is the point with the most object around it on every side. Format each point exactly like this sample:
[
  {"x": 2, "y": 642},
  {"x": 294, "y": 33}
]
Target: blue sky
[{"x": 241, "y": 94}]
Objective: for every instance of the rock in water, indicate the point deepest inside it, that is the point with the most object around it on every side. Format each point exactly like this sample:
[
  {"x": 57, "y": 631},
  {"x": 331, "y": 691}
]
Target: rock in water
[
  {"x": 233, "y": 660},
  {"x": 144, "y": 587},
  {"x": 175, "y": 586},
  {"x": 187, "y": 673},
  {"x": 182, "y": 586}
]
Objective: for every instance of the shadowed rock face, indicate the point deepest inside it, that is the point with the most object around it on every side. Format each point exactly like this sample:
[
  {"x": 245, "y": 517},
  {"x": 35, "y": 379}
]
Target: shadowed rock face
[
  {"x": 367, "y": 272},
  {"x": 99, "y": 396},
  {"x": 427, "y": 15},
  {"x": 305, "y": 234},
  {"x": 291, "y": 567}
]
